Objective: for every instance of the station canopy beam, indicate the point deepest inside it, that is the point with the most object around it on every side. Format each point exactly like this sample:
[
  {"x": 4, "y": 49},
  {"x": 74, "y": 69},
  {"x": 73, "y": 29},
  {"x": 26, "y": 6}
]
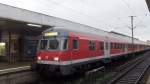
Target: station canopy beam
[{"x": 148, "y": 4}]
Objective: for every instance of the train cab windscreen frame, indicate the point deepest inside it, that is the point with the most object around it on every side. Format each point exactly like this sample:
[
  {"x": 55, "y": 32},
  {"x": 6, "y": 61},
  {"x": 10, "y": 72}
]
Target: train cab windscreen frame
[{"x": 53, "y": 44}]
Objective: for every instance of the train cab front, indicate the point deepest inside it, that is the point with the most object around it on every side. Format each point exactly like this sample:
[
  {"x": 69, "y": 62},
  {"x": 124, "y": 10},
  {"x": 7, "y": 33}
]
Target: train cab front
[{"x": 52, "y": 55}]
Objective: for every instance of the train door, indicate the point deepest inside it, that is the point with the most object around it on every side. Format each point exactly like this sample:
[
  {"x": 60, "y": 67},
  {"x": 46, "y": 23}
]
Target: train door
[
  {"x": 126, "y": 48},
  {"x": 75, "y": 48},
  {"x": 107, "y": 49},
  {"x": 106, "y": 52}
]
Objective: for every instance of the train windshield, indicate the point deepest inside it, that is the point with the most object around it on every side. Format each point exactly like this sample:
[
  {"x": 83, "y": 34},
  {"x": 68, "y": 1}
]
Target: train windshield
[
  {"x": 53, "y": 44},
  {"x": 64, "y": 43},
  {"x": 43, "y": 44}
]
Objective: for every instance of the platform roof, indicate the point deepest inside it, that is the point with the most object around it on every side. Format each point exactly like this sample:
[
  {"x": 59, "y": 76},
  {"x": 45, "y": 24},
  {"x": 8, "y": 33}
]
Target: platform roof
[
  {"x": 27, "y": 16},
  {"x": 22, "y": 17},
  {"x": 19, "y": 14}
]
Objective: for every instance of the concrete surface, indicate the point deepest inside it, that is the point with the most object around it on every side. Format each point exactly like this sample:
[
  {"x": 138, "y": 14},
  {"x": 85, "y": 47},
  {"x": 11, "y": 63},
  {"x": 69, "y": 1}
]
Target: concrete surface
[{"x": 6, "y": 65}]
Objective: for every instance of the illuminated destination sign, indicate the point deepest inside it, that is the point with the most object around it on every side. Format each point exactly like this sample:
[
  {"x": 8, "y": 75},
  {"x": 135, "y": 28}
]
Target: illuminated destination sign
[{"x": 51, "y": 34}]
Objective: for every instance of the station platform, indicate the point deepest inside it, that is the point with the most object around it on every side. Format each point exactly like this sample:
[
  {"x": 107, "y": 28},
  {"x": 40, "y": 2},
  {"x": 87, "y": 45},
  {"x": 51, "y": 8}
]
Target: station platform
[
  {"x": 16, "y": 73},
  {"x": 148, "y": 80},
  {"x": 7, "y": 65}
]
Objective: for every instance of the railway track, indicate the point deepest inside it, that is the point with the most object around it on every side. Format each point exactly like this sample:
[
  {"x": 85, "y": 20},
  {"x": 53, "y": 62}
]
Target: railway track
[
  {"x": 129, "y": 73},
  {"x": 132, "y": 72},
  {"x": 99, "y": 75}
]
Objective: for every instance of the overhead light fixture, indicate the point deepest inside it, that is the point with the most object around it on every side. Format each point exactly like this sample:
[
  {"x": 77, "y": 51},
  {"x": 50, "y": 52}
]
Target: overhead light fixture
[
  {"x": 34, "y": 25},
  {"x": 2, "y": 44}
]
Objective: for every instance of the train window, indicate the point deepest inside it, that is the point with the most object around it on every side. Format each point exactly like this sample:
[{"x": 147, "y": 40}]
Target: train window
[
  {"x": 132, "y": 46},
  {"x": 101, "y": 45},
  {"x": 128, "y": 45},
  {"x": 65, "y": 42},
  {"x": 53, "y": 44},
  {"x": 111, "y": 44},
  {"x": 121, "y": 46},
  {"x": 91, "y": 45},
  {"x": 106, "y": 45},
  {"x": 116, "y": 45},
  {"x": 43, "y": 44},
  {"x": 75, "y": 44}
]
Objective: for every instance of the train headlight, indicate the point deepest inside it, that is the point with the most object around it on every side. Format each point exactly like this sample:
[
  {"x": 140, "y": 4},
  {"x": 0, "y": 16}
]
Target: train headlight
[
  {"x": 39, "y": 58},
  {"x": 56, "y": 58}
]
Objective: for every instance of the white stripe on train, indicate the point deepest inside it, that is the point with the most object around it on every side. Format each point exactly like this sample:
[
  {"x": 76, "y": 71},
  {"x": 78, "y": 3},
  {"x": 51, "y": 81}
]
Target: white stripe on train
[{"x": 75, "y": 61}]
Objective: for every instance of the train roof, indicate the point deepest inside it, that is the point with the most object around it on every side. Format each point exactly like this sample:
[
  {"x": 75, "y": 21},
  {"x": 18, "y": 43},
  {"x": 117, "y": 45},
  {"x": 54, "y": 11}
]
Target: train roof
[{"x": 98, "y": 32}]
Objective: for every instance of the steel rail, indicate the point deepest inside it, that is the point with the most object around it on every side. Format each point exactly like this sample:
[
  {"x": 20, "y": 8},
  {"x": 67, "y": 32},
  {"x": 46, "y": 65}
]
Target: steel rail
[{"x": 137, "y": 70}]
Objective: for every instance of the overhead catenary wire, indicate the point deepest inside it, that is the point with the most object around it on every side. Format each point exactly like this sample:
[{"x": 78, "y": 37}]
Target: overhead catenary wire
[
  {"x": 131, "y": 9},
  {"x": 73, "y": 10},
  {"x": 89, "y": 16},
  {"x": 78, "y": 12}
]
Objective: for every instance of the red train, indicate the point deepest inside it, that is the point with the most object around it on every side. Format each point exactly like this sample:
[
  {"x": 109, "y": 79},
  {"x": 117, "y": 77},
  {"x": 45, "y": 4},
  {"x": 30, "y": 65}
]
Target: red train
[{"x": 65, "y": 51}]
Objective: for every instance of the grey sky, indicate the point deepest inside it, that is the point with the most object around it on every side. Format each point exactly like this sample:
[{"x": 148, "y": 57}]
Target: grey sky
[{"x": 104, "y": 14}]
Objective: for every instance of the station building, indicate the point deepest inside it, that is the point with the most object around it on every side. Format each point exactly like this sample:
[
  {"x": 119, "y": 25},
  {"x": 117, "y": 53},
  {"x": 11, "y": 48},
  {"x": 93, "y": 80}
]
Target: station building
[
  {"x": 18, "y": 40},
  {"x": 18, "y": 35}
]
